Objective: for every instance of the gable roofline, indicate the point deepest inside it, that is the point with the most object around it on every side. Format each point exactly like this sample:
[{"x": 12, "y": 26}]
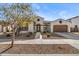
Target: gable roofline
[
  {"x": 39, "y": 17},
  {"x": 59, "y": 19},
  {"x": 72, "y": 17}
]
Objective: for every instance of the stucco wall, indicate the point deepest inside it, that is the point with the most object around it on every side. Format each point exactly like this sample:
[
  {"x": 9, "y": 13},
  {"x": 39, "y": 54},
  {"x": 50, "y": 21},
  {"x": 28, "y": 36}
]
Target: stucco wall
[
  {"x": 64, "y": 22},
  {"x": 39, "y": 22},
  {"x": 31, "y": 27},
  {"x": 0, "y": 28},
  {"x": 75, "y": 21}
]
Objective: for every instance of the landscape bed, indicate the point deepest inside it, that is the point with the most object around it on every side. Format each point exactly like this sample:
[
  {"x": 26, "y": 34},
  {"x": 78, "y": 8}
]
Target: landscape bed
[
  {"x": 41, "y": 49},
  {"x": 20, "y": 36},
  {"x": 52, "y": 36}
]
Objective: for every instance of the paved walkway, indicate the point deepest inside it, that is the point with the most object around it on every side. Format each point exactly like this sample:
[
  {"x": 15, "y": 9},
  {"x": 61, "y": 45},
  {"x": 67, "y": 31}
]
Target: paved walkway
[
  {"x": 36, "y": 41},
  {"x": 38, "y": 35}
]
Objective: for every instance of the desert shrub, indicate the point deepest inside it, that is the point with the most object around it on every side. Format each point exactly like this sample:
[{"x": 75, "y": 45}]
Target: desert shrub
[
  {"x": 8, "y": 35},
  {"x": 60, "y": 47},
  {"x": 7, "y": 30},
  {"x": 15, "y": 33},
  {"x": 28, "y": 35},
  {"x": 44, "y": 32},
  {"x": 48, "y": 35}
]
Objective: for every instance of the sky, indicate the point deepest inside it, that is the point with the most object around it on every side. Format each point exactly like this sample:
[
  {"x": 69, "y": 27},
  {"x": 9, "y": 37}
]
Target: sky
[{"x": 53, "y": 11}]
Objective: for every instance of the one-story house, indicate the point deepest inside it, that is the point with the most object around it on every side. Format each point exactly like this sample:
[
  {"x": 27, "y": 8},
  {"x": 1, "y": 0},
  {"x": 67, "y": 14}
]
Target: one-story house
[{"x": 58, "y": 25}]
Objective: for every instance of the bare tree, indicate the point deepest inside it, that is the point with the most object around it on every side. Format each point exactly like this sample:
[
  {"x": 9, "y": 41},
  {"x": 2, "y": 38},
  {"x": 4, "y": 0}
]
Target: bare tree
[{"x": 18, "y": 11}]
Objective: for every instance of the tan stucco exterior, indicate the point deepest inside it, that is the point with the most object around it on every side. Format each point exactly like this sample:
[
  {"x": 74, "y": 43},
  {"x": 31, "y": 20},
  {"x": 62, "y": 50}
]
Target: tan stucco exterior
[
  {"x": 32, "y": 26},
  {"x": 64, "y": 22}
]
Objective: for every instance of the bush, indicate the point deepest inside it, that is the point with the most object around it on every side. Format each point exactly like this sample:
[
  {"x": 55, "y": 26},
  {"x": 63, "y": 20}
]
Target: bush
[
  {"x": 7, "y": 30},
  {"x": 30, "y": 33},
  {"x": 44, "y": 32},
  {"x": 8, "y": 35},
  {"x": 60, "y": 47},
  {"x": 27, "y": 35},
  {"x": 15, "y": 33},
  {"x": 48, "y": 35}
]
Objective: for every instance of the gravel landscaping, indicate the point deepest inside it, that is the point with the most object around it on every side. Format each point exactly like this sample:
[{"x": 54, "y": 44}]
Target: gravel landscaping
[
  {"x": 26, "y": 36},
  {"x": 52, "y": 36},
  {"x": 20, "y": 36},
  {"x": 41, "y": 49}
]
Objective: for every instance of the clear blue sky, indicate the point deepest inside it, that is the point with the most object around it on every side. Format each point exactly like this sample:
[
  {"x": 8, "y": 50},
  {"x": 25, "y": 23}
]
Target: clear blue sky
[{"x": 55, "y": 10}]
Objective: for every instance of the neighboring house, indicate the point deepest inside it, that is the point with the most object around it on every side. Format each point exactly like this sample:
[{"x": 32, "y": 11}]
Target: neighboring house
[
  {"x": 40, "y": 25},
  {"x": 75, "y": 23},
  {"x": 7, "y": 28}
]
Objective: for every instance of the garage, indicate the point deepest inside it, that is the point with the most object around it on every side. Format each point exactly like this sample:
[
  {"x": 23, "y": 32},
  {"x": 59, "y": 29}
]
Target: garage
[{"x": 60, "y": 28}]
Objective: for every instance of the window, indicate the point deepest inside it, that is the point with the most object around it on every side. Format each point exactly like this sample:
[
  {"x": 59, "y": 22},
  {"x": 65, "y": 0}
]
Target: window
[
  {"x": 25, "y": 28},
  {"x": 76, "y": 26},
  {"x": 38, "y": 19},
  {"x": 60, "y": 21}
]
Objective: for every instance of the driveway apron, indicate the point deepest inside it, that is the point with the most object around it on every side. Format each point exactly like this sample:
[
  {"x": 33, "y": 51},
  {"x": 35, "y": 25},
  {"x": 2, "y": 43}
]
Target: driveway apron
[{"x": 68, "y": 35}]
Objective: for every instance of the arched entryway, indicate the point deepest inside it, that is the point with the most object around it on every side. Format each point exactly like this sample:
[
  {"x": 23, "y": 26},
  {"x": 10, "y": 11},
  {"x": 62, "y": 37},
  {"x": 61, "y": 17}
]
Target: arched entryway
[{"x": 38, "y": 28}]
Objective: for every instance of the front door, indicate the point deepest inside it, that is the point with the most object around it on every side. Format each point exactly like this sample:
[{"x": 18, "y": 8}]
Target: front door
[{"x": 38, "y": 27}]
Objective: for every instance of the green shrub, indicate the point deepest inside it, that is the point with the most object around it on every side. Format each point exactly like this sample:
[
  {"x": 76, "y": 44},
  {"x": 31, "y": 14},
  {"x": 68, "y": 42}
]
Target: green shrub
[
  {"x": 44, "y": 32},
  {"x": 8, "y": 35},
  {"x": 28, "y": 35},
  {"x": 48, "y": 35},
  {"x": 7, "y": 30}
]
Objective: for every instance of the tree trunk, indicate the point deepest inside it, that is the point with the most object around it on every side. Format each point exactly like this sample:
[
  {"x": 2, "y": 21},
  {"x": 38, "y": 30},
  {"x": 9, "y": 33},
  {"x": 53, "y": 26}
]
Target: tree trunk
[
  {"x": 2, "y": 28},
  {"x": 13, "y": 38}
]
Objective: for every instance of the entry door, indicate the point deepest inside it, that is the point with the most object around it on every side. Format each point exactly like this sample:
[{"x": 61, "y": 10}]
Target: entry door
[{"x": 38, "y": 28}]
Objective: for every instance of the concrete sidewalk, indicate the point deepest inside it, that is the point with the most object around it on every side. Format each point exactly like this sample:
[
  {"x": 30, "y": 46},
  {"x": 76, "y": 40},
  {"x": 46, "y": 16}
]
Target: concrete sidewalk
[
  {"x": 36, "y": 41},
  {"x": 74, "y": 43}
]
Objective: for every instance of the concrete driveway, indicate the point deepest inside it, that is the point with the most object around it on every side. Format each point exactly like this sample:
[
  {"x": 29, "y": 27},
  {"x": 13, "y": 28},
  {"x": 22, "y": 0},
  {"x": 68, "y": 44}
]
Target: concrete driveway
[{"x": 68, "y": 35}]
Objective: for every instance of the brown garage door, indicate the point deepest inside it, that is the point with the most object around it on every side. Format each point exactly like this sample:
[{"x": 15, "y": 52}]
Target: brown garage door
[{"x": 60, "y": 28}]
